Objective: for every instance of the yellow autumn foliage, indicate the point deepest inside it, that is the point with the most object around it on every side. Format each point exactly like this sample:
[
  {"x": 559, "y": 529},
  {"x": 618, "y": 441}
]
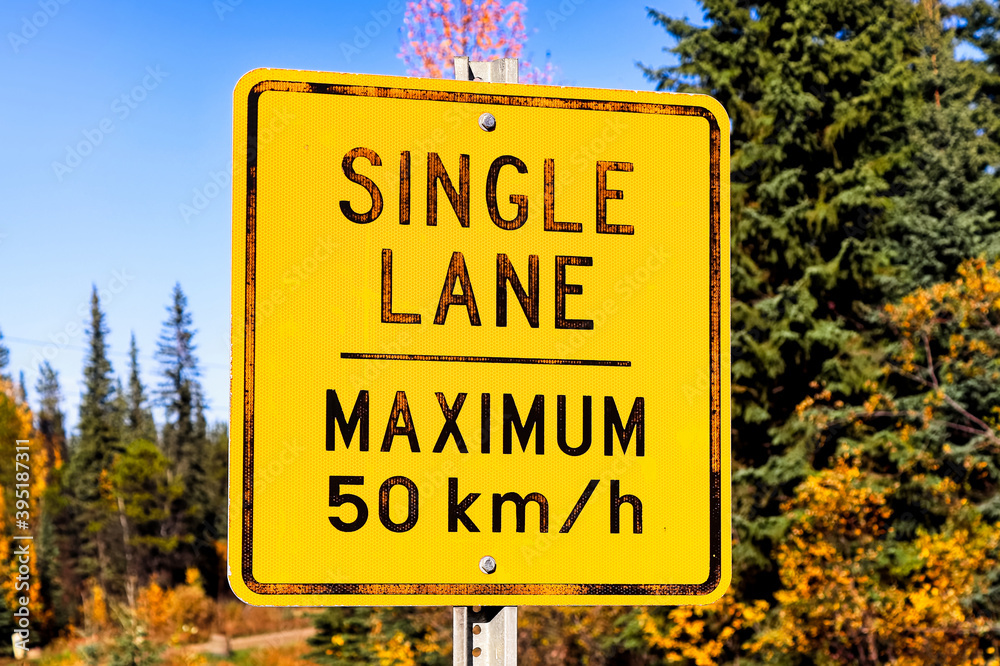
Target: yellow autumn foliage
[
  {"x": 841, "y": 599},
  {"x": 183, "y": 614},
  {"x": 686, "y": 638},
  {"x": 16, "y": 424}
]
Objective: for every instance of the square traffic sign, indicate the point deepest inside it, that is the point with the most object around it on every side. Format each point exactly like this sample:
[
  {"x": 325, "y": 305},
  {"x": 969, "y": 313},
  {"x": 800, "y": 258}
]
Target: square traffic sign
[{"x": 480, "y": 344}]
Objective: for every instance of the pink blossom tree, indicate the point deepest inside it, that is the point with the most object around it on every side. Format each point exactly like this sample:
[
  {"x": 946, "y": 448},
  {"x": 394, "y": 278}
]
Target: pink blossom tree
[{"x": 435, "y": 31}]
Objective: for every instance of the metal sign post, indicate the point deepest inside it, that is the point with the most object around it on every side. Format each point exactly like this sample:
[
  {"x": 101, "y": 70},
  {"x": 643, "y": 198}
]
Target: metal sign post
[{"x": 485, "y": 635}]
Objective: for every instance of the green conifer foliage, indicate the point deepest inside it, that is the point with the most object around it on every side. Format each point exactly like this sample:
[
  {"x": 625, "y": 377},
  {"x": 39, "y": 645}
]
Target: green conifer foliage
[
  {"x": 394, "y": 635},
  {"x": 179, "y": 389},
  {"x": 946, "y": 199},
  {"x": 343, "y": 637},
  {"x": 57, "y": 539},
  {"x": 863, "y": 167},
  {"x": 978, "y": 23},
  {"x": 138, "y": 415},
  {"x": 91, "y": 459},
  {"x": 184, "y": 442},
  {"x": 50, "y": 426},
  {"x": 817, "y": 93}
]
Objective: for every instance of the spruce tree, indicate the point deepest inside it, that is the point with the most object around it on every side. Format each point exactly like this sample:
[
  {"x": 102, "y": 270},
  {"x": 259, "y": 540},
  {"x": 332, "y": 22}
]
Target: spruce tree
[
  {"x": 51, "y": 420},
  {"x": 180, "y": 390},
  {"x": 183, "y": 436},
  {"x": 58, "y": 537},
  {"x": 978, "y": 23},
  {"x": 860, "y": 170},
  {"x": 946, "y": 199},
  {"x": 820, "y": 98},
  {"x": 92, "y": 458},
  {"x": 98, "y": 417},
  {"x": 138, "y": 416}
]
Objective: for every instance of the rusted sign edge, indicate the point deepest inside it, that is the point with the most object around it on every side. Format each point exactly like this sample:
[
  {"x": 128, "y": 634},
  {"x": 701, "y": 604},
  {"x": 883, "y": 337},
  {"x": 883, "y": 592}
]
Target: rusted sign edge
[{"x": 715, "y": 290}]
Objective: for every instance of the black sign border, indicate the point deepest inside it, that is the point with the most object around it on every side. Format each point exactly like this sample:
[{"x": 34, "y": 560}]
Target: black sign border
[{"x": 480, "y": 589}]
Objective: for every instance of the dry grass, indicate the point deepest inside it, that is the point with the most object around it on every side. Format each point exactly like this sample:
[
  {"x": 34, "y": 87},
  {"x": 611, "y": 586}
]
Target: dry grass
[
  {"x": 290, "y": 655},
  {"x": 237, "y": 619}
]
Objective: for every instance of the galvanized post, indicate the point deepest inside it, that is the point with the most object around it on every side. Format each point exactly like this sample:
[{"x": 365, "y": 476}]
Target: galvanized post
[
  {"x": 485, "y": 635},
  {"x": 501, "y": 70}
]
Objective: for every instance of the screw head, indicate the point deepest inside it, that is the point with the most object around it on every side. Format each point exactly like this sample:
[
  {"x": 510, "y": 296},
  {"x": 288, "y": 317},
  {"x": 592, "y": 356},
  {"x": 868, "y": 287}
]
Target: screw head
[
  {"x": 487, "y": 565},
  {"x": 488, "y": 122}
]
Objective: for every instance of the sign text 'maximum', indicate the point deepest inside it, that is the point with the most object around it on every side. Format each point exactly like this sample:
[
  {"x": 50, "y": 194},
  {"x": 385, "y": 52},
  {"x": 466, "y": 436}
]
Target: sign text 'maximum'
[{"x": 400, "y": 423}]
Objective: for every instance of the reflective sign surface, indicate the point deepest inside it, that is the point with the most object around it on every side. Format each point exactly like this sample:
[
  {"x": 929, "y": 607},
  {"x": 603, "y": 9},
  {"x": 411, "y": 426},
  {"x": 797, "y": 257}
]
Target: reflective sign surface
[{"x": 478, "y": 358}]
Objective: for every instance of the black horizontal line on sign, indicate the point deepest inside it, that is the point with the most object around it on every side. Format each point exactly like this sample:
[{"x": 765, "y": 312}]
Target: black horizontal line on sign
[{"x": 486, "y": 359}]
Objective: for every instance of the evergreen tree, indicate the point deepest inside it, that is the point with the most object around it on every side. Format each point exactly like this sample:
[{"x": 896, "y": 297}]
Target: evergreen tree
[
  {"x": 138, "y": 416},
  {"x": 51, "y": 427},
  {"x": 946, "y": 199},
  {"x": 817, "y": 93},
  {"x": 212, "y": 533},
  {"x": 860, "y": 171},
  {"x": 978, "y": 23},
  {"x": 183, "y": 438},
  {"x": 99, "y": 420},
  {"x": 142, "y": 494},
  {"x": 180, "y": 390},
  {"x": 119, "y": 407},
  {"x": 92, "y": 458},
  {"x": 57, "y": 539}
]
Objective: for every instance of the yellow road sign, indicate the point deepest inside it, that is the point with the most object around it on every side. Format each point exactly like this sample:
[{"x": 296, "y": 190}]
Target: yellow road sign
[{"x": 480, "y": 344}]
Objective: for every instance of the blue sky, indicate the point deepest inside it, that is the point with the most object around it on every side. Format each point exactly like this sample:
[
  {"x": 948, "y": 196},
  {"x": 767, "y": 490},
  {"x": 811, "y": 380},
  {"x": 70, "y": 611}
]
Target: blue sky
[{"x": 115, "y": 115}]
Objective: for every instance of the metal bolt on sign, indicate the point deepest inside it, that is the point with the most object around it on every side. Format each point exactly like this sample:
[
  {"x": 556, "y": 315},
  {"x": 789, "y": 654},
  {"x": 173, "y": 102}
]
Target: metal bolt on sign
[
  {"x": 485, "y": 635},
  {"x": 487, "y": 565},
  {"x": 488, "y": 122}
]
